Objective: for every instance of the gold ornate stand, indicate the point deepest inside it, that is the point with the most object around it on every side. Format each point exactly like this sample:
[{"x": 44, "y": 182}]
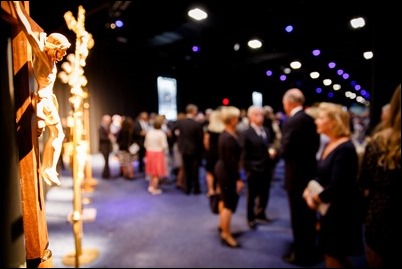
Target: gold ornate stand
[
  {"x": 86, "y": 257},
  {"x": 73, "y": 74}
]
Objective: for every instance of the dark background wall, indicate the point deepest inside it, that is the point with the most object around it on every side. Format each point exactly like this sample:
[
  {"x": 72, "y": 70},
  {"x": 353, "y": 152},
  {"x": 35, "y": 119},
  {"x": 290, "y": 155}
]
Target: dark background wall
[{"x": 122, "y": 76}]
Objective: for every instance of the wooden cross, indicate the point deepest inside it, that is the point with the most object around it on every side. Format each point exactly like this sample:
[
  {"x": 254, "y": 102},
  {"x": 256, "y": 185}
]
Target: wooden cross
[{"x": 34, "y": 221}]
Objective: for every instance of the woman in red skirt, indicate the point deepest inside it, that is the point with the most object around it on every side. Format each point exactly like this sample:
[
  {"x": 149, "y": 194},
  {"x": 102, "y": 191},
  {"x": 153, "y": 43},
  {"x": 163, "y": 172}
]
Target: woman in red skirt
[{"x": 156, "y": 146}]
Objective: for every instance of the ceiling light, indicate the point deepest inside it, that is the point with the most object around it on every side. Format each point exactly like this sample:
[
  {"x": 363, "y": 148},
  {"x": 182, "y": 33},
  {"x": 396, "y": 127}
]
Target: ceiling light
[
  {"x": 327, "y": 82},
  {"x": 357, "y": 23},
  {"x": 314, "y": 75},
  {"x": 254, "y": 44},
  {"x": 197, "y": 14},
  {"x": 236, "y": 47},
  {"x": 368, "y": 55},
  {"x": 295, "y": 65},
  {"x": 360, "y": 99},
  {"x": 119, "y": 23},
  {"x": 289, "y": 28},
  {"x": 316, "y": 52},
  {"x": 268, "y": 73}
]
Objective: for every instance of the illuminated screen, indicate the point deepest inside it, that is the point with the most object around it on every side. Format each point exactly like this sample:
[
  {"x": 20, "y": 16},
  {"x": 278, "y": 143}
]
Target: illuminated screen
[
  {"x": 257, "y": 99},
  {"x": 167, "y": 103}
]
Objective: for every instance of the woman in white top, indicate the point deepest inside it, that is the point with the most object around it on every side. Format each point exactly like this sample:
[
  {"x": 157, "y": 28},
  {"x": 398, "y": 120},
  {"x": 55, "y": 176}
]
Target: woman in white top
[{"x": 156, "y": 146}]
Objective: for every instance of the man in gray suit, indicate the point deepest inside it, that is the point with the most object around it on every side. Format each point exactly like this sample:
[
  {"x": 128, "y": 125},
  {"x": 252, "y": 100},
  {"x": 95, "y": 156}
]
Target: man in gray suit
[{"x": 258, "y": 164}]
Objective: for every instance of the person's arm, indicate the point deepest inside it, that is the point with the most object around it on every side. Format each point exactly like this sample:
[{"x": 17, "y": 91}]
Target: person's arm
[
  {"x": 32, "y": 36},
  {"x": 239, "y": 185},
  {"x": 206, "y": 140}
]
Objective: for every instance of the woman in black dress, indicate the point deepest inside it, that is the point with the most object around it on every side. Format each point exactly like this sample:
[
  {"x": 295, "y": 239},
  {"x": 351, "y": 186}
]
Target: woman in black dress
[
  {"x": 340, "y": 228},
  {"x": 211, "y": 137},
  {"x": 227, "y": 173}
]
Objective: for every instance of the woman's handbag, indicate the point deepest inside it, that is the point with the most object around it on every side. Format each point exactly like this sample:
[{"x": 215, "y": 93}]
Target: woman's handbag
[
  {"x": 214, "y": 203},
  {"x": 134, "y": 148}
]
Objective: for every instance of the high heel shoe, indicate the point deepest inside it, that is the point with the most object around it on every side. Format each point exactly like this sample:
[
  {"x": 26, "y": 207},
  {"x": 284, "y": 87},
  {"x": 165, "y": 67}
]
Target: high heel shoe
[{"x": 229, "y": 242}]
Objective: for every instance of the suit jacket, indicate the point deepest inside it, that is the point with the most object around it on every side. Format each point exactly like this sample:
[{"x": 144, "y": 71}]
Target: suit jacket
[
  {"x": 190, "y": 140},
  {"x": 255, "y": 155},
  {"x": 299, "y": 145},
  {"x": 138, "y": 137},
  {"x": 105, "y": 144}
]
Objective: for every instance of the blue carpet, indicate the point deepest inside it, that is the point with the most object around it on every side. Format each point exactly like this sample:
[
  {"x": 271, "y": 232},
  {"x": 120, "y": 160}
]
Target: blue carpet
[{"x": 133, "y": 229}]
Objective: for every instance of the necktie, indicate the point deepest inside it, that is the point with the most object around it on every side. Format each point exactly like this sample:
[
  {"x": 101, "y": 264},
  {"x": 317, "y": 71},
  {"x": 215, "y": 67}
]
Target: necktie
[{"x": 263, "y": 136}]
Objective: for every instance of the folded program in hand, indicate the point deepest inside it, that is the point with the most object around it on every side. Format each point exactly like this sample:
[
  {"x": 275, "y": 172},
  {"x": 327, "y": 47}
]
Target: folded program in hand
[{"x": 313, "y": 188}]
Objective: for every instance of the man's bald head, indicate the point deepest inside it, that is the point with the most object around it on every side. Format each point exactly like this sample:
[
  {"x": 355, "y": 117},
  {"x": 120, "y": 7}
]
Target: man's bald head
[
  {"x": 291, "y": 99},
  {"x": 294, "y": 95}
]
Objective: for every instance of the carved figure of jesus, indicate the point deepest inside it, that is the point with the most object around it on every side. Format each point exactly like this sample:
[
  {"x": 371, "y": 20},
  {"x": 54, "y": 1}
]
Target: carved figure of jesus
[{"x": 47, "y": 51}]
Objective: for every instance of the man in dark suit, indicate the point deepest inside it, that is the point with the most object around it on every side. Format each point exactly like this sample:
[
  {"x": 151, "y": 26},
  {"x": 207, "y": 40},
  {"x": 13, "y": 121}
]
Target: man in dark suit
[
  {"x": 106, "y": 140},
  {"x": 141, "y": 126},
  {"x": 299, "y": 145},
  {"x": 190, "y": 143},
  {"x": 258, "y": 165}
]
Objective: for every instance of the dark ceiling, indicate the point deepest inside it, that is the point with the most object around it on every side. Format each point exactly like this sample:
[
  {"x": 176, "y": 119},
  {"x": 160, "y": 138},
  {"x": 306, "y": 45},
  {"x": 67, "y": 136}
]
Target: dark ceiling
[{"x": 158, "y": 36}]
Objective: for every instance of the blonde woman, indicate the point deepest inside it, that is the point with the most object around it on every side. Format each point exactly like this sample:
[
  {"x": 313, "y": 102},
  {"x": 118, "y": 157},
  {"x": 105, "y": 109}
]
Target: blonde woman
[
  {"x": 211, "y": 136},
  {"x": 340, "y": 229},
  {"x": 227, "y": 173}
]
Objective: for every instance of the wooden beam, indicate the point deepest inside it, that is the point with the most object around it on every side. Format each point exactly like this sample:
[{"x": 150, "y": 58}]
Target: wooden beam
[{"x": 32, "y": 189}]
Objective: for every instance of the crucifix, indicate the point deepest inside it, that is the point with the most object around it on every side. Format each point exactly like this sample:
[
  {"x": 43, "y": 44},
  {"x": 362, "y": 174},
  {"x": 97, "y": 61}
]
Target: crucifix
[{"x": 34, "y": 58}]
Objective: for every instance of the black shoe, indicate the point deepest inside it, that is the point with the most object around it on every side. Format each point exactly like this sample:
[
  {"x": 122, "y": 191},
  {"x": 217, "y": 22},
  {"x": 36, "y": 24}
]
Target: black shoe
[
  {"x": 252, "y": 224},
  {"x": 291, "y": 258}
]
